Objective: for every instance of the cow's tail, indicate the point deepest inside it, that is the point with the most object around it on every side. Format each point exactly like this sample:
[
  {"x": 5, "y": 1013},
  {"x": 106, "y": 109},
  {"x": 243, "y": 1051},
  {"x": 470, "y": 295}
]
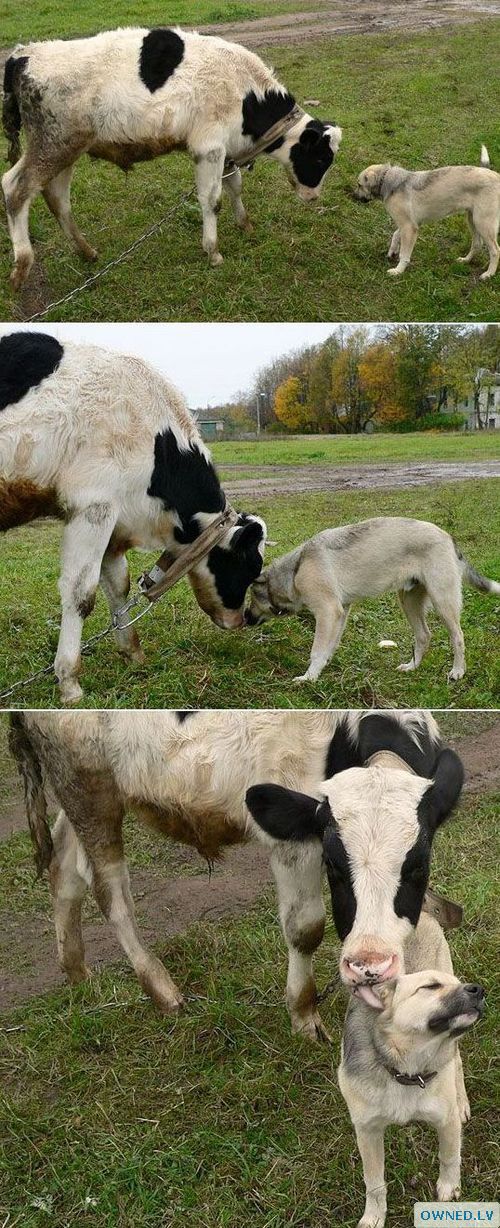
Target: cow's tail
[
  {"x": 485, "y": 157},
  {"x": 29, "y": 768},
  {"x": 473, "y": 577},
  {"x": 11, "y": 111}
]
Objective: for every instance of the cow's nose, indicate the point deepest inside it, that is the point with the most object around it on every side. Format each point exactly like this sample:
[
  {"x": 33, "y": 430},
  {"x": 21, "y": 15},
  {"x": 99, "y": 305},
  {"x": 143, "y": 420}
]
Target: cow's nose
[{"x": 370, "y": 968}]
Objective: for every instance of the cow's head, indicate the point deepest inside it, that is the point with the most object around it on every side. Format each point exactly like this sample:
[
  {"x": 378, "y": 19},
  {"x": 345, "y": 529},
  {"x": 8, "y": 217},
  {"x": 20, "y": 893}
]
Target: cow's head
[
  {"x": 307, "y": 153},
  {"x": 220, "y": 582},
  {"x": 376, "y": 826}
]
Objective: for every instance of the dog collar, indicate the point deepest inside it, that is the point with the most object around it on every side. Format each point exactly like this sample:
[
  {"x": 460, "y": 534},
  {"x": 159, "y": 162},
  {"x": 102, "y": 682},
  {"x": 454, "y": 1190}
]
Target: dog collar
[{"x": 406, "y": 1080}]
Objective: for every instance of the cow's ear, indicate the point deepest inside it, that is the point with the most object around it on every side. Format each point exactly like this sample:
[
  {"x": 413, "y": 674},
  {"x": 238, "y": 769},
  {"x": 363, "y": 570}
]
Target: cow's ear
[
  {"x": 248, "y": 536},
  {"x": 287, "y": 815},
  {"x": 442, "y": 795}
]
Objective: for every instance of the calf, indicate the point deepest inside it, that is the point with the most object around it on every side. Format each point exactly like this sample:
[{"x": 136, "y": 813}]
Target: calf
[
  {"x": 186, "y": 776},
  {"x": 131, "y": 95},
  {"x": 103, "y": 442},
  {"x": 387, "y": 792}
]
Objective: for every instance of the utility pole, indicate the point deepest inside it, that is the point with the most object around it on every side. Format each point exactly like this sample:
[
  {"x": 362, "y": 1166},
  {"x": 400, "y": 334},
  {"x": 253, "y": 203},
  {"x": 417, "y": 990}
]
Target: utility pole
[{"x": 259, "y": 395}]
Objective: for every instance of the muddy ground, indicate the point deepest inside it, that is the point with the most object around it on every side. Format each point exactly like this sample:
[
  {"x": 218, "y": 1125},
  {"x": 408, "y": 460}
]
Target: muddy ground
[
  {"x": 356, "y": 17},
  {"x": 168, "y": 904},
  {"x": 309, "y": 479}
]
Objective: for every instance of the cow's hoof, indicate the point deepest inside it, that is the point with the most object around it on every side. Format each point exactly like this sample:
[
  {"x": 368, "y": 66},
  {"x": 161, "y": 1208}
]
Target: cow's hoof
[
  {"x": 90, "y": 254},
  {"x": 215, "y": 260},
  {"x": 138, "y": 656},
  {"x": 20, "y": 271},
  {"x": 77, "y": 974},
  {"x": 70, "y": 692},
  {"x": 312, "y": 1027},
  {"x": 247, "y": 226}
]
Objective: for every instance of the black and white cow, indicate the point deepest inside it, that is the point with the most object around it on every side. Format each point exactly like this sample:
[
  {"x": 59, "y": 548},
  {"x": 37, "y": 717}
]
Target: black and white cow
[
  {"x": 186, "y": 775},
  {"x": 131, "y": 95},
  {"x": 103, "y": 442},
  {"x": 389, "y": 786}
]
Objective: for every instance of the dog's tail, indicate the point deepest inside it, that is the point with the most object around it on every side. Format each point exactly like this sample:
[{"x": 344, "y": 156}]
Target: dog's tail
[
  {"x": 29, "y": 768},
  {"x": 11, "y": 112},
  {"x": 473, "y": 577},
  {"x": 485, "y": 157}
]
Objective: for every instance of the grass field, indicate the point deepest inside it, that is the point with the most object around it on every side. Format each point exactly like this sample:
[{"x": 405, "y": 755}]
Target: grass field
[
  {"x": 422, "y": 100},
  {"x": 118, "y": 1118},
  {"x": 359, "y": 449},
  {"x": 190, "y": 663}
]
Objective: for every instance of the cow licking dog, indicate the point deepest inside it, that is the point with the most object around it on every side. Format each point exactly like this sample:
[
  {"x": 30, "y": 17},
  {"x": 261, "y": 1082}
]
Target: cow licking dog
[
  {"x": 337, "y": 567},
  {"x": 401, "y": 1062},
  {"x": 130, "y": 95},
  {"x": 387, "y": 776},
  {"x": 103, "y": 442}
]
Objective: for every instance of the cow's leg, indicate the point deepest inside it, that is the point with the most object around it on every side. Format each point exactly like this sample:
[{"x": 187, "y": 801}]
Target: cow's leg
[
  {"x": 232, "y": 185},
  {"x": 20, "y": 185},
  {"x": 297, "y": 871},
  {"x": 70, "y": 876},
  {"x": 371, "y": 1149},
  {"x": 85, "y": 539},
  {"x": 115, "y": 584},
  {"x": 209, "y": 170},
  {"x": 112, "y": 892},
  {"x": 57, "y": 196},
  {"x": 414, "y": 604}
]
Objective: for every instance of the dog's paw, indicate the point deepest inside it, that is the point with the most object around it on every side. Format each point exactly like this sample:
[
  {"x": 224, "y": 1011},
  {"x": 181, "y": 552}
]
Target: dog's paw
[
  {"x": 372, "y": 1221},
  {"x": 303, "y": 678},
  {"x": 447, "y": 1191},
  {"x": 406, "y": 666},
  {"x": 395, "y": 272},
  {"x": 455, "y": 674}
]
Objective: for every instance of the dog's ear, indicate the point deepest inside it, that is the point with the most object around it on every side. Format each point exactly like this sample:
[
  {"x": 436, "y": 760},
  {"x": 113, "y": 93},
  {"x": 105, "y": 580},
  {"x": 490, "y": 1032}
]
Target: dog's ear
[{"x": 441, "y": 797}]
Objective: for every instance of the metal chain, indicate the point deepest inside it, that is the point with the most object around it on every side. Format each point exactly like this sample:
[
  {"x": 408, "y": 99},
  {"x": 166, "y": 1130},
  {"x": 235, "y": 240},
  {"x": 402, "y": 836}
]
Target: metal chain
[
  {"x": 115, "y": 625},
  {"x": 90, "y": 281}
]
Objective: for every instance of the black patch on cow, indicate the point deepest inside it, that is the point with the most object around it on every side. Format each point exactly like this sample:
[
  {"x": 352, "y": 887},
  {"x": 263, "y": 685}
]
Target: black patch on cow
[
  {"x": 376, "y": 733},
  {"x": 184, "y": 713},
  {"x": 25, "y": 360},
  {"x": 440, "y": 799},
  {"x": 236, "y": 567},
  {"x": 340, "y": 879},
  {"x": 312, "y": 155},
  {"x": 185, "y": 482},
  {"x": 414, "y": 878},
  {"x": 161, "y": 53},
  {"x": 260, "y": 114},
  {"x": 286, "y": 814}
]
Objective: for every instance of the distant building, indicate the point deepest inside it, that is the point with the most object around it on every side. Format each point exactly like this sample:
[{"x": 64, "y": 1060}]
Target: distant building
[
  {"x": 489, "y": 403},
  {"x": 210, "y": 428}
]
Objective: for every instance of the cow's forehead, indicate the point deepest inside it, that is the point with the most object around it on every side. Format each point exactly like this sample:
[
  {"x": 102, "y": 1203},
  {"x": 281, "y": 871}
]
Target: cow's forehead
[{"x": 373, "y": 804}]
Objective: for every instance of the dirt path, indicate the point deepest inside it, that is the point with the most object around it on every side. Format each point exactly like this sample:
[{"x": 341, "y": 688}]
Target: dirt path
[
  {"x": 169, "y": 905},
  {"x": 356, "y": 17},
  {"x": 308, "y": 479}
]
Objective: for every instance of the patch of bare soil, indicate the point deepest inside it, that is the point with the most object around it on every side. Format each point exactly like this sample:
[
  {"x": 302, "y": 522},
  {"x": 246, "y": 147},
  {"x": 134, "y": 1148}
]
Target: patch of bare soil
[
  {"x": 170, "y": 905},
  {"x": 309, "y": 479},
  {"x": 356, "y": 17}
]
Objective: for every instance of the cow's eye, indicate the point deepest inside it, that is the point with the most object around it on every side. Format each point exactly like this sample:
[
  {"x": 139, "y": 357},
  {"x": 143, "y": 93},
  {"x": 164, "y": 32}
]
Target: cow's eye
[{"x": 416, "y": 875}]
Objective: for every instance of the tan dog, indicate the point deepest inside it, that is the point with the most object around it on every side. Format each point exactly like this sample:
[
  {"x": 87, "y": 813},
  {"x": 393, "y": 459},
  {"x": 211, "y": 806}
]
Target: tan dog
[
  {"x": 412, "y": 197},
  {"x": 401, "y": 1063}
]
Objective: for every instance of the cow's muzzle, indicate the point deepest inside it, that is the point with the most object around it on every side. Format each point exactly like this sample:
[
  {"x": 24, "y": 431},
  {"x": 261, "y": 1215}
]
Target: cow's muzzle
[{"x": 370, "y": 968}]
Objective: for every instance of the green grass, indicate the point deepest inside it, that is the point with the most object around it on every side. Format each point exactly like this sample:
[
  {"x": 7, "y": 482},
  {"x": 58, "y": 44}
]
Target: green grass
[
  {"x": 422, "y": 100},
  {"x": 359, "y": 449},
  {"x": 117, "y": 1118},
  {"x": 190, "y": 663},
  {"x": 53, "y": 20}
]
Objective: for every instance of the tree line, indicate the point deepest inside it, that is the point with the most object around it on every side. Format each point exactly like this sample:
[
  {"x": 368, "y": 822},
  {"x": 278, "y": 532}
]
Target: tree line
[{"x": 398, "y": 377}]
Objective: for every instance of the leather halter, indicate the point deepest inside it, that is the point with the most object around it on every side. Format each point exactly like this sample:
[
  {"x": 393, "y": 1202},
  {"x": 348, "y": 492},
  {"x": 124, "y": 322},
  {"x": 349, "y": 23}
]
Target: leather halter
[
  {"x": 168, "y": 569},
  {"x": 280, "y": 128}
]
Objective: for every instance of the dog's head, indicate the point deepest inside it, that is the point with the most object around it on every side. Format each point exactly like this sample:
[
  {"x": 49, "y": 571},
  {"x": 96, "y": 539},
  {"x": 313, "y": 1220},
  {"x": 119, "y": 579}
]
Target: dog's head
[
  {"x": 261, "y": 606},
  {"x": 370, "y": 182},
  {"x": 429, "y": 1003}
]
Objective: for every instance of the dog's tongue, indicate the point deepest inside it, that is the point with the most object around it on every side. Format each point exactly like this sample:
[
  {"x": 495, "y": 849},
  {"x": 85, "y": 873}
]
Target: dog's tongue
[{"x": 369, "y": 996}]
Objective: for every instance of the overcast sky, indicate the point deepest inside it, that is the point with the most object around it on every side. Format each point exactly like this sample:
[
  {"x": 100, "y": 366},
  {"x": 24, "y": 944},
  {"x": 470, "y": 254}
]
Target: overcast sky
[{"x": 209, "y": 362}]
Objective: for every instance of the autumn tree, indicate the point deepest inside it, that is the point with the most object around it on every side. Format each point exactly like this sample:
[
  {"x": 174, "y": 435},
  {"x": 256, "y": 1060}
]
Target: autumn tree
[
  {"x": 378, "y": 382},
  {"x": 290, "y": 404},
  {"x": 352, "y": 406}
]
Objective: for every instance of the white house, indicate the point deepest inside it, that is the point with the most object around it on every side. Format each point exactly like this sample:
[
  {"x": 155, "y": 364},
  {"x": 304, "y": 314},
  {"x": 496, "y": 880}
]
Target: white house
[{"x": 489, "y": 402}]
